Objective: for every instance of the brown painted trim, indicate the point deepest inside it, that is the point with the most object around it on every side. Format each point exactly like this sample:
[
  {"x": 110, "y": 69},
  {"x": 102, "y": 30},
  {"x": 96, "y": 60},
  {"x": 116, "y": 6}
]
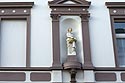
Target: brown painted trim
[
  {"x": 105, "y": 76},
  {"x": 14, "y": 11},
  {"x": 115, "y": 4},
  {"x": 16, "y": 4},
  {"x": 28, "y": 41},
  {"x": 86, "y": 42},
  {"x": 25, "y": 69},
  {"x": 83, "y": 2},
  {"x": 50, "y": 69},
  {"x": 12, "y": 76},
  {"x": 56, "y": 41},
  {"x": 123, "y": 76},
  {"x": 70, "y": 5},
  {"x": 109, "y": 69},
  {"x": 40, "y": 76},
  {"x": 114, "y": 41}
]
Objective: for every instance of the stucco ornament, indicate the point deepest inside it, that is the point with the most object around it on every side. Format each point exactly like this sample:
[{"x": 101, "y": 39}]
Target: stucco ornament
[{"x": 71, "y": 42}]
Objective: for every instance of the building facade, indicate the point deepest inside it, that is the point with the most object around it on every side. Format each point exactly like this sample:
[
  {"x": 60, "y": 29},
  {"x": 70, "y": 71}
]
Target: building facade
[{"x": 62, "y": 41}]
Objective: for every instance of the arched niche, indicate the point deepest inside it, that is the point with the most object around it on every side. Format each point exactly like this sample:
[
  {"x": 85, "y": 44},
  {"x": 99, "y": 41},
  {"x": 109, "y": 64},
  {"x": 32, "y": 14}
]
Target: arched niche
[{"x": 73, "y": 22}]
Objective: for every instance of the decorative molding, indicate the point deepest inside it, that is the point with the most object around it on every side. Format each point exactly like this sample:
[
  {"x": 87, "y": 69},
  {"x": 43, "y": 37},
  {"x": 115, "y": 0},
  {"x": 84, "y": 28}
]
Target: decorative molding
[
  {"x": 105, "y": 77},
  {"x": 85, "y": 17},
  {"x": 16, "y": 4},
  {"x": 12, "y": 76},
  {"x": 55, "y": 17},
  {"x": 123, "y": 76},
  {"x": 60, "y": 2},
  {"x": 25, "y": 69},
  {"x": 14, "y": 11},
  {"x": 115, "y": 4},
  {"x": 79, "y": 9},
  {"x": 40, "y": 76}
]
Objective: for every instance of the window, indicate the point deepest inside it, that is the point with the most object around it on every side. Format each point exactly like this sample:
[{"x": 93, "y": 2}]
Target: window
[
  {"x": 15, "y": 34},
  {"x": 117, "y": 13},
  {"x": 120, "y": 39},
  {"x": 13, "y": 43}
]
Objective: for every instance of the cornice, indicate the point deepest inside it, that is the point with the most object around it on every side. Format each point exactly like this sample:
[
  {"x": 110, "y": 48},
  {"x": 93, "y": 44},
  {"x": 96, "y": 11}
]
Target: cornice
[
  {"x": 115, "y": 4},
  {"x": 16, "y": 4}
]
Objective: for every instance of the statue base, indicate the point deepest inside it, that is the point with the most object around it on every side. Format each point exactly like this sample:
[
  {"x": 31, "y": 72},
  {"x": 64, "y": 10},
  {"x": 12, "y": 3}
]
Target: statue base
[{"x": 72, "y": 63}]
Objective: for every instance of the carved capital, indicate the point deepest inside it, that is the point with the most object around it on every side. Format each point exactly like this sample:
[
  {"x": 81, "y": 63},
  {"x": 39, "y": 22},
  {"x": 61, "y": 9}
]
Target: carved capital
[
  {"x": 55, "y": 17},
  {"x": 85, "y": 17}
]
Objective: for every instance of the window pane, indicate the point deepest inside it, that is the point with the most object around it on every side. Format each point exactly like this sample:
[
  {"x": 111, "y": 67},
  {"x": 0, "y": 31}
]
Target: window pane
[
  {"x": 13, "y": 43},
  {"x": 119, "y": 27},
  {"x": 121, "y": 51}
]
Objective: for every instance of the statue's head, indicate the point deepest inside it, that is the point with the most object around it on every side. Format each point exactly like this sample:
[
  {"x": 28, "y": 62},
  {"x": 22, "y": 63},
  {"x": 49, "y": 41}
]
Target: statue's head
[{"x": 69, "y": 29}]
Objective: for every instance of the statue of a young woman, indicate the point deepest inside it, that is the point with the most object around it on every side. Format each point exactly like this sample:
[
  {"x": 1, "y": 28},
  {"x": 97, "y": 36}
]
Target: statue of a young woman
[{"x": 71, "y": 42}]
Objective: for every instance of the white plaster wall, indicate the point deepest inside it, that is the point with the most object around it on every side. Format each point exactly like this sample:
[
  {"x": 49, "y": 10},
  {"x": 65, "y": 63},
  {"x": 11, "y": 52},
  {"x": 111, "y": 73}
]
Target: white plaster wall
[{"x": 100, "y": 35}]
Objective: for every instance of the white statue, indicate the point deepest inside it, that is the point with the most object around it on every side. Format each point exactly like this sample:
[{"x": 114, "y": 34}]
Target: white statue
[{"x": 71, "y": 41}]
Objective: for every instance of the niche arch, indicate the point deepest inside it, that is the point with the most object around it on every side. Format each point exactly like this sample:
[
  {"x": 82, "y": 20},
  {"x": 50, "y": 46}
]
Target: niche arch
[{"x": 73, "y": 22}]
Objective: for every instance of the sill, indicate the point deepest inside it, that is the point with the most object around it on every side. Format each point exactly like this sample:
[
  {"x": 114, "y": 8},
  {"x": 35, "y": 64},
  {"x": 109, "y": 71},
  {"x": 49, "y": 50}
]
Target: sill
[
  {"x": 109, "y": 69},
  {"x": 25, "y": 69}
]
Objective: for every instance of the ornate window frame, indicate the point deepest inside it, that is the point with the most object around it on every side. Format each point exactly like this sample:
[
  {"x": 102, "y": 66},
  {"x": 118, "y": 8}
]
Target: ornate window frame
[
  {"x": 116, "y": 11},
  {"x": 18, "y": 10},
  {"x": 79, "y": 9}
]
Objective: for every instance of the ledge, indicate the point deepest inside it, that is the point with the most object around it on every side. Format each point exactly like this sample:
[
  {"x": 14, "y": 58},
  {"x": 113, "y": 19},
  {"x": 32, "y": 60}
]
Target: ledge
[
  {"x": 25, "y": 69},
  {"x": 69, "y": 5},
  {"x": 109, "y": 69},
  {"x": 115, "y": 4},
  {"x": 16, "y": 4}
]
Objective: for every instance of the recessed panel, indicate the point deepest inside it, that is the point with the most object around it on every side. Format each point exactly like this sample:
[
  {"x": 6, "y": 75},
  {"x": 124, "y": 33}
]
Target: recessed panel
[{"x": 13, "y": 43}]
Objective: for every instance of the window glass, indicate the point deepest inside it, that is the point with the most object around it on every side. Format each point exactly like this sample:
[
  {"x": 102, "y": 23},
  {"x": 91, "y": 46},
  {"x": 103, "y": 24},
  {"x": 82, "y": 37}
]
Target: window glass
[
  {"x": 121, "y": 51},
  {"x": 119, "y": 27}
]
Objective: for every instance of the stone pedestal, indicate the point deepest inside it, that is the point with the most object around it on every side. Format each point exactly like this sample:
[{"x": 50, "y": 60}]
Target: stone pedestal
[{"x": 72, "y": 65}]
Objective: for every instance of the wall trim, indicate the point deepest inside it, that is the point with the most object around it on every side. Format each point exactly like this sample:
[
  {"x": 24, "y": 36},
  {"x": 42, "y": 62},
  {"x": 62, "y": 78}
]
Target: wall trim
[
  {"x": 109, "y": 69},
  {"x": 105, "y": 77},
  {"x": 38, "y": 76},
  {"x": 50, "y": 69},
  {"x": 123, "y": 76},
  {"x": 12, "y": 76},
  {"x": 16, "y": 4}
]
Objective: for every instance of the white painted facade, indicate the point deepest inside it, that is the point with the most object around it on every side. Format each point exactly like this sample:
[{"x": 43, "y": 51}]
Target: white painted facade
[
  {"x": 101, "y": 42},
  {"x": 41, "y": 34}
]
